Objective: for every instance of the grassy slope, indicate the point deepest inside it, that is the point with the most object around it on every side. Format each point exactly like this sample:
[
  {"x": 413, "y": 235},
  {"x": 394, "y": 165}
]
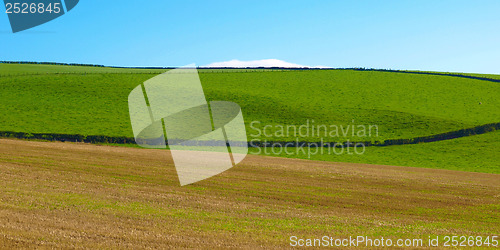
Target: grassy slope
[
  {"x": 74, "y": 195},
  {"x": 76, "y": 104},
  {"x": 401, "y": 105}
]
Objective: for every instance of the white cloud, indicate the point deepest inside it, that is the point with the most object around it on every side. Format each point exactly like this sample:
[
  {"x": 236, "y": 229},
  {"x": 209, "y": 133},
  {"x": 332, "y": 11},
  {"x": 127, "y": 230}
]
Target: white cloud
[{"x": 257, "y": 63}]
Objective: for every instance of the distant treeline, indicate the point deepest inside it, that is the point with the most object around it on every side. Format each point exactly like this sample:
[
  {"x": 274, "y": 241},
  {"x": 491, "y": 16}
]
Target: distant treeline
[
  {"x": 130, "y": 140},
  {"x": 52, "y": 63},
  {"x": 265, "y": 68},
  {"x": 121, "y": 67},
  {"x": 82, "y": 64}
]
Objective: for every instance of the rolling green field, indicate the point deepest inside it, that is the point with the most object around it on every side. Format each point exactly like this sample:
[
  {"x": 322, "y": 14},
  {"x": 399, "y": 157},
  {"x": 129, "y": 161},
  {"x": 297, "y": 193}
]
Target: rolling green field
[
  {"x": 401, "y": 105},
  {"x": 93, "y": 101}
]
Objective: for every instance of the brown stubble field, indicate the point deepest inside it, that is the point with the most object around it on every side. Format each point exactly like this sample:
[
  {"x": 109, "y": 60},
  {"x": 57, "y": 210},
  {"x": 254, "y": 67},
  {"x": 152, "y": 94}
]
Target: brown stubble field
[{"x": 55, "y": 194}]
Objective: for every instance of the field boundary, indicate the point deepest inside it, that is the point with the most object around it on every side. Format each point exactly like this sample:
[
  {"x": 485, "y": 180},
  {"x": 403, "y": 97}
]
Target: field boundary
[
  {"x": 482, "y": 129},
  {"x": 463, "y": 75}
]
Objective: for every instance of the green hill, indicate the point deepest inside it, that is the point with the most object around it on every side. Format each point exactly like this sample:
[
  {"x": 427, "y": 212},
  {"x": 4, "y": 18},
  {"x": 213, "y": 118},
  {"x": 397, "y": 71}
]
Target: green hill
[{"x": 93, "y": 100}]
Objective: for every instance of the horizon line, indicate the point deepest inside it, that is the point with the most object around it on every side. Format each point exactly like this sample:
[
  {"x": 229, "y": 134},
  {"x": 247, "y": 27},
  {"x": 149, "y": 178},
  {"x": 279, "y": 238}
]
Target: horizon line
[{"x": 204, "y": 67}]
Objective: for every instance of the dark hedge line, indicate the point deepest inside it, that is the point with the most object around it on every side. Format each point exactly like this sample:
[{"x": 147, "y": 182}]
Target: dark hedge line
[
  {"x": 445, "y": 136},
  {"x": 68, "y": 137},
  {"x": 423, "y": 139},
  {"x": 428, "y": 73},
  {"x": 129, "y": 140}
]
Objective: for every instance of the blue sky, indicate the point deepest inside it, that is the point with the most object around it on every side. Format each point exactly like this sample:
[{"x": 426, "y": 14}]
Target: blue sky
[{"x": 460, "y": 36}]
